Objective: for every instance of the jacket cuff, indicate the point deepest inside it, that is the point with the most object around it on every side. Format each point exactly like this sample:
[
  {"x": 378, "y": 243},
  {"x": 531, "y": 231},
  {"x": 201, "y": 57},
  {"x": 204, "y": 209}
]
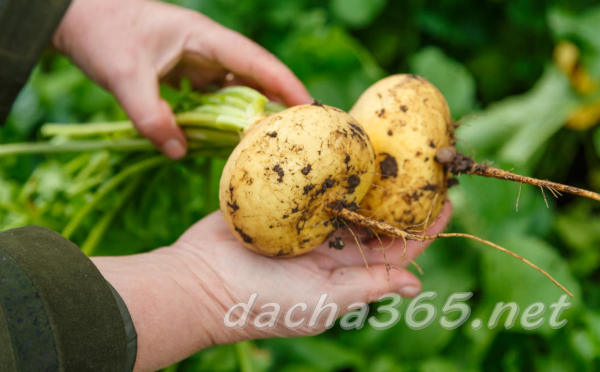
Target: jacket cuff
[{"x": 57, "y": 309}]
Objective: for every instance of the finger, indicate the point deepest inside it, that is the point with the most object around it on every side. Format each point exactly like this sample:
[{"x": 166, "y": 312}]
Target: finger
[
  {"x": 136, "y": 89},
  {"x": 373, "y": 250},
  {"x": 352, "y": 284},
  {"x": 243, "y": 57}
]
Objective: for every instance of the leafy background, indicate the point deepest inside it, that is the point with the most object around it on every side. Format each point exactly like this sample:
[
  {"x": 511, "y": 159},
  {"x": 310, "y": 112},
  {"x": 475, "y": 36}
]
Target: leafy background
[{"x": 521, "y": 78}]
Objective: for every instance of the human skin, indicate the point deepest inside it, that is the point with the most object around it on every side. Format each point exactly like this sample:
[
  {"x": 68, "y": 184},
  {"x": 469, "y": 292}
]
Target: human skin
[
  {"x": 127, "y": 46},
  {"x": 178, "y": 295}
]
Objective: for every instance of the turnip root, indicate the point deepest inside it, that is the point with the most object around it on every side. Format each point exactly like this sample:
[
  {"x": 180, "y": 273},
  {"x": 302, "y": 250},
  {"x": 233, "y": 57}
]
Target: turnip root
[
  {"x": 457, "y": 163},
  {"x": 278, "y": 182},
  {"x": 346, "y": 214},
  {"x": 408, "y": 120}
]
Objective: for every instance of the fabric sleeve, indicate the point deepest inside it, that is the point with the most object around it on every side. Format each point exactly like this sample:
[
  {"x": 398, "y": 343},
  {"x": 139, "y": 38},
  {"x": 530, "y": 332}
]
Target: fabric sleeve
[
  {"x": 57, "y": 312},
  {"x": 26, "y": 27}
]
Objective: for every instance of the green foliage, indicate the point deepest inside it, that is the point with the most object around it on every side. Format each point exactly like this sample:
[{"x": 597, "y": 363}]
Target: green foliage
[
  {"x": 453, "y": 79},
  {"x": 357, "y": 13},
  {"x": 493, "y": 62}
]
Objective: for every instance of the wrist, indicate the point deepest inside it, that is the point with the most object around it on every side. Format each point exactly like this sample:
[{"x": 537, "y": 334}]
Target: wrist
[
  {"x": 193, "y": 279},
  {"x": 219, "y": 287},
  {"x": 171, "y": 312},
  {"x": 208, "y": 295}
]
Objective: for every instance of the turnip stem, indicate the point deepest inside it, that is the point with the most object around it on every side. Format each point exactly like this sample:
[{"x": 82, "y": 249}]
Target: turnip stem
[
  {"x": 134, "y": 144},
  {"x": 107, "y": 187},
  {"x": 244, "y": 358},
  {"x": 273, "y": 107},
  {"x": 214, "y": 137},
  {"x": 213, "y": 121},
  {"x": 196, "y": 119},
  {"x": 85, "y": 130},
  {"x": 85, "y": 185},
  {"x": 220, "y": 119},
  {"x": 91, "y": 242},
  {"x": 356, "y": 218},
  {"x": 123, "y": 145},
  {"x": 95, "y": 164},
  {"x": 247, "y": 94},
  {"x": 185, "y": 119},
  {"x": 224, "y": 99},
  {"x": 76, "y": 164}
]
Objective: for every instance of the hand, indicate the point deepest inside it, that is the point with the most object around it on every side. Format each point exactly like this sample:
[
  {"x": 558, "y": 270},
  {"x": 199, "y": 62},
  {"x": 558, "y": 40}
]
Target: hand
[
  {"x": 178, "y": 296},
  {"x": 127, "y": 46}
]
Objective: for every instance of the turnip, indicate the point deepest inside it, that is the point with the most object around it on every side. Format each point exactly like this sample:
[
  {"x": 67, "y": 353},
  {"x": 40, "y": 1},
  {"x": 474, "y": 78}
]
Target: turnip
[
  {"x": 409, "y": 123},
  {"x": 279, "y": 181},
  {"x": 407, "y": 119}
]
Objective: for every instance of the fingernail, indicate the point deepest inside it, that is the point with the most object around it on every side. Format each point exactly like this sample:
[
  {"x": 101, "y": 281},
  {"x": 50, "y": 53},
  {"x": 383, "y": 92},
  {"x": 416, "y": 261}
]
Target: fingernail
[
  {"x": 174, "y": 149},
  {"x": 409, "y": 291}
]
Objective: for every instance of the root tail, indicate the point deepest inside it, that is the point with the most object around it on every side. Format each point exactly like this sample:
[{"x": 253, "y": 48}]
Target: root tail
[
  {"x": 351, "y": 216},
  {"x": 457, "y": 163}
]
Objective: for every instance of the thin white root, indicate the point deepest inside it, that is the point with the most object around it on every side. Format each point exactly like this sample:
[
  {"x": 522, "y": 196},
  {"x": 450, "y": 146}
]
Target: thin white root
[
  {"x": 544, "y": 195},
  {"x": 519, "y": 196},
  {"x": 359, "y": 248}
]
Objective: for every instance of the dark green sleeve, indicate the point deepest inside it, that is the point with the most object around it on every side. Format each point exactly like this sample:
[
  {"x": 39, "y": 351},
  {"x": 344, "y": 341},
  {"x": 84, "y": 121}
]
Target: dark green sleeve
[
  {"x": 57, "y": 312},
  {"x": 26, "y": 27}
]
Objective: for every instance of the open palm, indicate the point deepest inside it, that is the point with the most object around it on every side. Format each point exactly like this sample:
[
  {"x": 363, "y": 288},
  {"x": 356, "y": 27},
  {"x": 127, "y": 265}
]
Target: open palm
[{"x": 233, "y": 273}]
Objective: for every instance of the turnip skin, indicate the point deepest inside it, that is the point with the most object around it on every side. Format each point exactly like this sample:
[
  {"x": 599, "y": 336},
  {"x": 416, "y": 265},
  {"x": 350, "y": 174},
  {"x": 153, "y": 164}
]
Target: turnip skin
[
  {"x": 278, "y": 180},
  {"x": 408, "y": 120}
]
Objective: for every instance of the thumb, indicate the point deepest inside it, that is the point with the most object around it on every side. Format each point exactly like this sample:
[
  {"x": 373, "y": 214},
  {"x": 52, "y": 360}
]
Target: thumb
[{"x": 137, "y": 91}]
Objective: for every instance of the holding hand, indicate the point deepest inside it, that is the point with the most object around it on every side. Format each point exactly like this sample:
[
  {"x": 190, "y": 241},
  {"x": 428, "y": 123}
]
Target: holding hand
[
  {"x": 127, "y": 46},
  {"x": 178, "y": 296}
]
